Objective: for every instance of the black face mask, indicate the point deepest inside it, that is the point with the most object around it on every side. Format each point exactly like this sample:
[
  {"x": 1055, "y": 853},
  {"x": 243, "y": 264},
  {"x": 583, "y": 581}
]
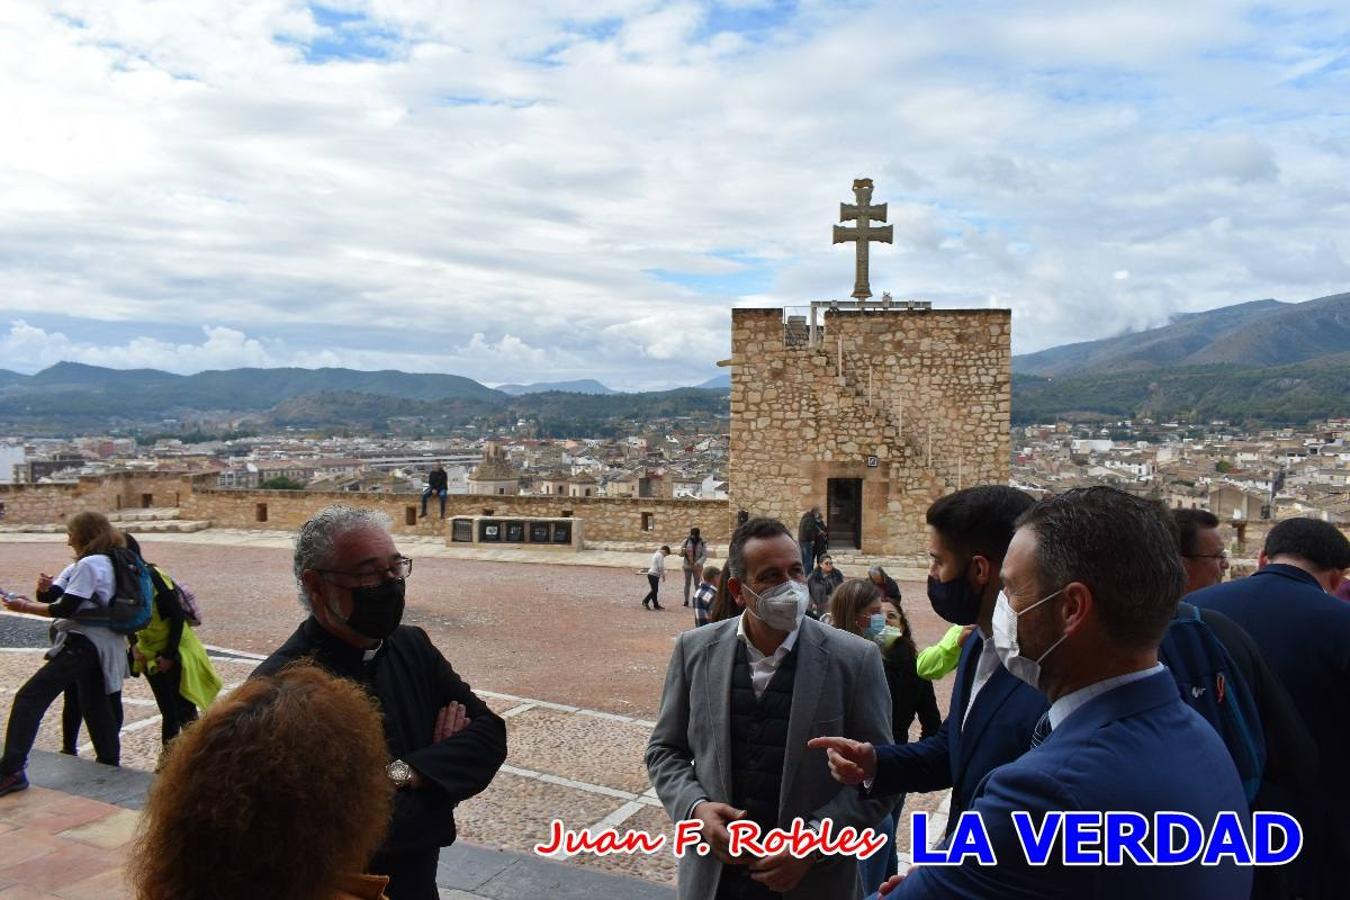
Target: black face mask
[
  {"x": 377, "y": 610},
  {"x": 955, "y": 600}
]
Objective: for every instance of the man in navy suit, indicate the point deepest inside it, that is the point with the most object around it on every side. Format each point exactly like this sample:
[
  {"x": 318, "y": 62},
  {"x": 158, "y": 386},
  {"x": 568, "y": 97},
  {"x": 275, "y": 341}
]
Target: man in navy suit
[
  {"x": 1090, "y": 582},
  {"x": 1304, "y": 635},
  {"x": 992, "y": 713}
]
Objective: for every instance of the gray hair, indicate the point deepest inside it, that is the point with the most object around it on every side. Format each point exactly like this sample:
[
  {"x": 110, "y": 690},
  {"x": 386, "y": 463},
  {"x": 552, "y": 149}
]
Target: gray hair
[{"x": 314, "y": 545}]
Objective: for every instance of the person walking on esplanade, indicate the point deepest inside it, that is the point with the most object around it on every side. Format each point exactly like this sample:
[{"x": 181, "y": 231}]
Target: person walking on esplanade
[
  {"x": 656, "y": 573},
  {"x": 693, "y": 557},
  {"x": 810, "y": 529},
  {"x": 90, "y": 656},
  {"x": 171, "y": 658}
]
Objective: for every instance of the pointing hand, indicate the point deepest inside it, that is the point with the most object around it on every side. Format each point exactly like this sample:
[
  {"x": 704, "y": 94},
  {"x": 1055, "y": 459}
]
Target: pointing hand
[{"x": 851, "y": 762}]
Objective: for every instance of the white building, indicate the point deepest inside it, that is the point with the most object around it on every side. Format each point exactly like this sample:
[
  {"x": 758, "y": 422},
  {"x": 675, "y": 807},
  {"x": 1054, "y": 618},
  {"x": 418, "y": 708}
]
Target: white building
[{"x": 11, "y": 455}]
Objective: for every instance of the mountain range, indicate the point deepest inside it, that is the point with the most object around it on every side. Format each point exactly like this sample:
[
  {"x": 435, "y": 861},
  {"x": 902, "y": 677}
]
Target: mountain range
[
  {"x": 70, "y": 397},
  {"x": 583, "y": 386},
  {"x": 1266, "y": 361}
]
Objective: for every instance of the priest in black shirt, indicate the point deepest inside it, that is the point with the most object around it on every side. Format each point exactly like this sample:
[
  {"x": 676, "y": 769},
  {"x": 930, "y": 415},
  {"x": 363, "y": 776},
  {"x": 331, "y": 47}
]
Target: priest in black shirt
[{"x": 444, "y": 742}]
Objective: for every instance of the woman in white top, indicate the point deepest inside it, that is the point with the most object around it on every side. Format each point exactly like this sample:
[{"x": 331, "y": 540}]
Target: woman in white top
[{"x": 89, "y": 656}]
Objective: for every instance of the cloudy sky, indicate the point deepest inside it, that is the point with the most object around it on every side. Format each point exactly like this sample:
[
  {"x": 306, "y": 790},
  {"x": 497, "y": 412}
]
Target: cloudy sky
[{"x": 549, "y": 189}]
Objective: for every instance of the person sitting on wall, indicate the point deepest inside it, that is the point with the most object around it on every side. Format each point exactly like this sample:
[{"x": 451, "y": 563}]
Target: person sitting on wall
[{"x": 438, "y": 483}]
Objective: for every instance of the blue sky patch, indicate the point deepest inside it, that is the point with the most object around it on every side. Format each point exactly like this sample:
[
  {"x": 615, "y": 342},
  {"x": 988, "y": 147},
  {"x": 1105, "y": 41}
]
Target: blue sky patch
[
  {"x": 749, "y": 21},
  {"x": 753, "y": 276},
  {"x": 347, "y": 37}
]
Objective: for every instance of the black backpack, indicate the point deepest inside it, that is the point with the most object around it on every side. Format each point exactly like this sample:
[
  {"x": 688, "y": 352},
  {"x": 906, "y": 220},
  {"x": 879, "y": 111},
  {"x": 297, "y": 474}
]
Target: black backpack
[{"x": 129, "y": 609}]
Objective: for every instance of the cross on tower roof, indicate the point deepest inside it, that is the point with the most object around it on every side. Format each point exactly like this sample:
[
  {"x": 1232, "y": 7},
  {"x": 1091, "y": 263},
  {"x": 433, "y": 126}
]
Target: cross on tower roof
[{"x": 862, "y": 212}]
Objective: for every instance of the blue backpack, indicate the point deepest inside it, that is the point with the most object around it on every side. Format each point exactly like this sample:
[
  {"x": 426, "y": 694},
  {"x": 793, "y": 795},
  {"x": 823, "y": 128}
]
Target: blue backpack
[
  {"x": 129, "y": 609},
  {"x": 1210, "y": 684}
]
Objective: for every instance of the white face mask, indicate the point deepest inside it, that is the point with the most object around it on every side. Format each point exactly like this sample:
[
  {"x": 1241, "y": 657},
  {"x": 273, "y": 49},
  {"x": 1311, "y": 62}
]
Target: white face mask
[
  {"x": 1006, "y": 644},
  {"x": 783, "y": 607}
]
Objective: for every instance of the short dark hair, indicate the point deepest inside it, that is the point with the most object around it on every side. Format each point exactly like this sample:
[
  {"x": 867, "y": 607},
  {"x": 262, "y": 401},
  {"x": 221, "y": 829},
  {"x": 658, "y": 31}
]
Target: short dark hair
[
  {"x": 754, "y": 529},
  {"x": 1189, "y": 523},
  {"x": 1119, "y": 545},
  {"x": 1320, "y": 543},
  {"x": 665, "y": 548},
  {"x": 979, "y": 521},
  {"x": 710, "y": 574}
]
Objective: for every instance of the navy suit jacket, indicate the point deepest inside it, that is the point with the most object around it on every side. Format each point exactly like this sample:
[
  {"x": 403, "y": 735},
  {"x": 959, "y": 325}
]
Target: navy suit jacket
[
  {"x": 1137, "y": 747},
  {"x": 997, "y": 731},
  {"x": 1304, "y": 635}
]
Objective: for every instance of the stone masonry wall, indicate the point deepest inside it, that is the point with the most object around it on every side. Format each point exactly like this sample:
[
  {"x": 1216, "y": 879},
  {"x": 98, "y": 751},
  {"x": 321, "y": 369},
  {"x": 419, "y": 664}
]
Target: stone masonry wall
[
  {"x": 33, "y": 504},
  {"x": 908, "y": 377},
  {"x": 646, "y": 521},
  {"x": 606, "y": 518}
]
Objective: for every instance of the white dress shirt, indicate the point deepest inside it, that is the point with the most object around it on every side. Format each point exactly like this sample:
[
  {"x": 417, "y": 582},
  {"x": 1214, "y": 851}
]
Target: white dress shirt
[
  {"x": 1067, "y": 705},
  {"x": 984, "y": 670},
  {"x": 762, "y": 667},
  {"x": 658, "y": 566}
]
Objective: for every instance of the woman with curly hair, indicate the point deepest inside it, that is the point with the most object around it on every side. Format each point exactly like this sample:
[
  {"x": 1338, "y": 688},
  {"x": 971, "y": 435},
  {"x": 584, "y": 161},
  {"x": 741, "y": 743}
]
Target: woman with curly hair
[
  {"x": 85, "y": 654},
  {"x": 260, "y": 797}
]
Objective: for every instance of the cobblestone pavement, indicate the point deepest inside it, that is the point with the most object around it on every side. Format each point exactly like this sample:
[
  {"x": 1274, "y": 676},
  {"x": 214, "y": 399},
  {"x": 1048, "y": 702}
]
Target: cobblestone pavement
[{"x": 564, "y": 652}]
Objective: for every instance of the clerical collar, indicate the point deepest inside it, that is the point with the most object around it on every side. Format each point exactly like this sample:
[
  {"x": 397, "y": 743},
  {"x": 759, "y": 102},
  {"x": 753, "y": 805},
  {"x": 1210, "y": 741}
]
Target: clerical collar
[{"x": 368, "y": 655}]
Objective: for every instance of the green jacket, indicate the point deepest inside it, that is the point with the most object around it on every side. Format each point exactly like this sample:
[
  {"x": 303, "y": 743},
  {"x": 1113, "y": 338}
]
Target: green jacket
[
  {"x": 940, "y": 659},
  {"x": 199, "y": 683}
]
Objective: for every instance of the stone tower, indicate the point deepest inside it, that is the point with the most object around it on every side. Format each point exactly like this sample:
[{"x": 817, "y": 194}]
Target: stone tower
[{"x": 871, "y": 411}]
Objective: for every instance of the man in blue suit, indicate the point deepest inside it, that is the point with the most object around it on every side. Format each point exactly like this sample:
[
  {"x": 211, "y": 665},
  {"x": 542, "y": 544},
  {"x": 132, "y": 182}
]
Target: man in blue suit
[
  {"x": 1304, "y": 635},
  {"x": 1090, "y": 582},
  {"x": 992, "y": 714}
]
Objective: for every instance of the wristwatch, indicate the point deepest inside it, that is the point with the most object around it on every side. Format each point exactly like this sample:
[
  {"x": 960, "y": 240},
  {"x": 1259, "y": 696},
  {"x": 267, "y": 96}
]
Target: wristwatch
[{"x": 400, "y": 773}]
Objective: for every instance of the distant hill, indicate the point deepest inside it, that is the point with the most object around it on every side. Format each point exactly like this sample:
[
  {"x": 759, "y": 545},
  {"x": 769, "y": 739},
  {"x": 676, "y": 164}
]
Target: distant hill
[
  {"x": 1261, "y": 361},
  {"x": 1274, "y": 394},
  {"x": 719, "y": 383},
  {"x": 584, "y": 386},
  {"x": 73, "y": 389},
  {"x": 72, "y": 397},
  {"x": 1260, "y": 333},
  {"x": 556, "y": 414}
]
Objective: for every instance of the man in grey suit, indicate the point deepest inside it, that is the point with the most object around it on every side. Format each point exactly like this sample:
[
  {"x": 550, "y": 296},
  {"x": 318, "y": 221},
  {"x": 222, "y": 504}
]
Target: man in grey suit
[{"x": 742, "y": 698}]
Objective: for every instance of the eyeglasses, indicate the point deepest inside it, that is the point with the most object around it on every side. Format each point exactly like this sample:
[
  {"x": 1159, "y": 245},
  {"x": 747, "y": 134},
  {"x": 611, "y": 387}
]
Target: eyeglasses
[
  {"x": 1223, "y": 555},
  {"x": 400, "y": 569}
]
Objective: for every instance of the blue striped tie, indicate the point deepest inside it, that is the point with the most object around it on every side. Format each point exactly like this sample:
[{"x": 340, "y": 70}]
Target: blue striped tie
[{"x": 1041, "y": 731}]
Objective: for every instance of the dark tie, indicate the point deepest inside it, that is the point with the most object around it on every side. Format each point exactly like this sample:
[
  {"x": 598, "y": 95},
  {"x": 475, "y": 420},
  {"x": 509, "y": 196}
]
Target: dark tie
[{"x": 1041, "y": 731}]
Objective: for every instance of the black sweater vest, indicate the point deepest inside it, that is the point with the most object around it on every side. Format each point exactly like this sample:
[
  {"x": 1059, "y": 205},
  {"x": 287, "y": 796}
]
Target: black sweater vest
[{"x": 759, "y": 727}]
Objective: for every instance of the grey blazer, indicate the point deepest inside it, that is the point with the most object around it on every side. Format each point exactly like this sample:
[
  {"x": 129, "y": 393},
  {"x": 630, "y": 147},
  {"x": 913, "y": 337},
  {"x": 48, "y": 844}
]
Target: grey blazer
[{"x": 840, "y": 689}]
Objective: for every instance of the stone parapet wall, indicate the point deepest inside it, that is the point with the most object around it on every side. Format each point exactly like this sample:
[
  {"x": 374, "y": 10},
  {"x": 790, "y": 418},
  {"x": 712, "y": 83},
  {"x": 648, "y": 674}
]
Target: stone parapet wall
[
  {"x": 645, "y": 521},
  {"x": 36, "y": 504},
  {"x": 606, "y": 518},
  {"x": 876, "y": 385}
]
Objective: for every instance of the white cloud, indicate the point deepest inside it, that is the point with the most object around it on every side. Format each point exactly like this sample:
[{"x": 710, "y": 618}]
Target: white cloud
[
  {"x": 489, "y": 195},
  {"x": 27, "y": 348}
]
